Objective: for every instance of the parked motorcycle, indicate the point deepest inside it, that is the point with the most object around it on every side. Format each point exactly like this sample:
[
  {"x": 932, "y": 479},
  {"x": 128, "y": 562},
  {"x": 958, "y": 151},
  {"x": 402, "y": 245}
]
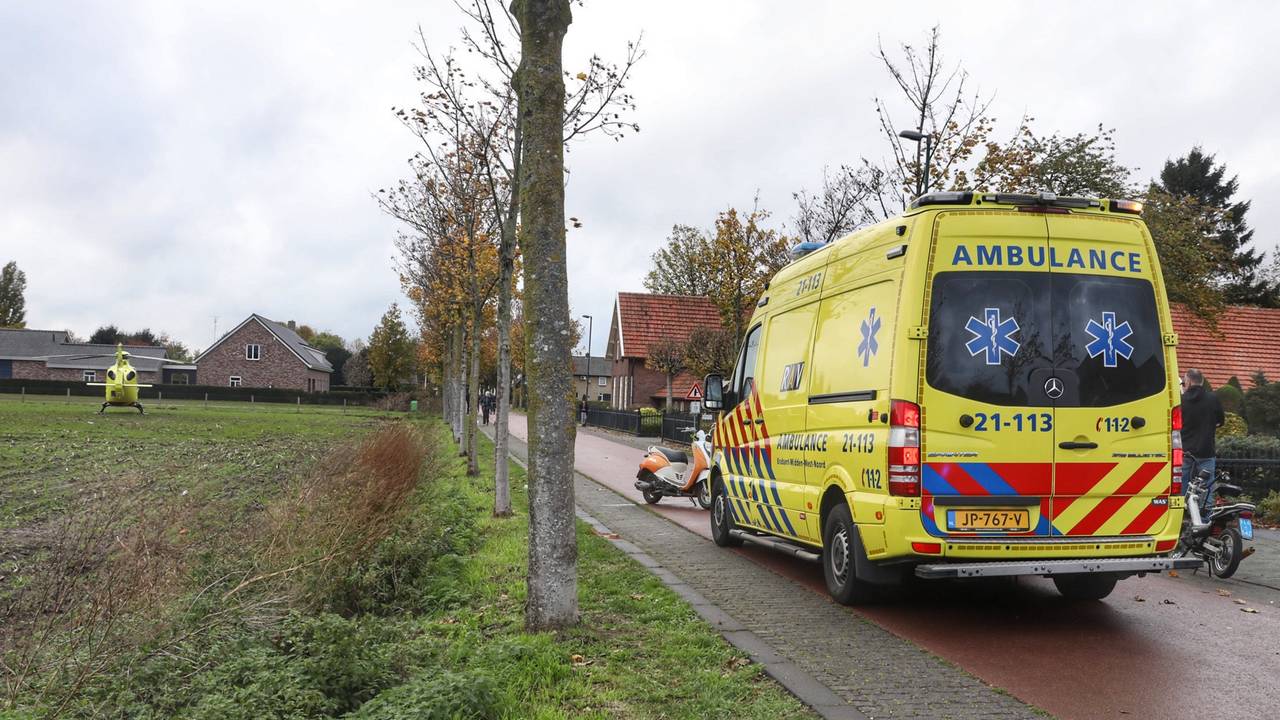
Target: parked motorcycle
[
  {"x": 1215, "y": 534},
  {"x": 666, "y": 472}
]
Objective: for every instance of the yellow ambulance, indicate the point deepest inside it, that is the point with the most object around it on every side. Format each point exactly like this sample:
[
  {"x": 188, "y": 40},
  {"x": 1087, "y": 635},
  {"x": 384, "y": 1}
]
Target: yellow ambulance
[{"x": 982, "y": 386}]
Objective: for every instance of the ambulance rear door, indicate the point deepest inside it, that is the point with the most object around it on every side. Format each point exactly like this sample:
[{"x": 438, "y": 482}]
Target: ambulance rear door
[
  {"x": 1110, "y": 385},
  {"x": 986, "y": 426}
]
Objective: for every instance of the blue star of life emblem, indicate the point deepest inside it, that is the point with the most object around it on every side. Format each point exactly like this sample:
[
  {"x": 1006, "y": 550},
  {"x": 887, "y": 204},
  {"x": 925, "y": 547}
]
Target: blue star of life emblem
[
  {"x": 869, "y": 346},
  {"x": 1109, "y": 339},
  {"x": 992, "y": 336}
]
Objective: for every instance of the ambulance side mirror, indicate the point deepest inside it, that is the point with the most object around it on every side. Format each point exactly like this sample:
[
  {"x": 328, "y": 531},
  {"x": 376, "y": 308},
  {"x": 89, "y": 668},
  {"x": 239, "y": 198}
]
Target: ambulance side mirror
[{"x": 713, "y": 392}]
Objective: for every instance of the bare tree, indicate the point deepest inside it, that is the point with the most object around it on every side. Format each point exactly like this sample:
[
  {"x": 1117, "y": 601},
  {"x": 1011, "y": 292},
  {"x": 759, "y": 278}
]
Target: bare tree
[
  {"x": 667, "y": 357},
  {"x": 553, "y": 549},
  {"x": 839, "y": 208},
  {"x": 484, "y": 101},
  {"x": 940, "y": 105}
]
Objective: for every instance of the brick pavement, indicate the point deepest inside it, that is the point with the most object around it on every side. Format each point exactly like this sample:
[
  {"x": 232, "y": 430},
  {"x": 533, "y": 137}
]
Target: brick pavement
[{"x": 875, "y": 672}]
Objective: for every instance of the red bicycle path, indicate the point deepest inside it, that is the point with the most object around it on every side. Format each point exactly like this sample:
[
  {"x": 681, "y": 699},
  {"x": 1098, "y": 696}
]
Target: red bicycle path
[{"x": 1160, "y": 646}]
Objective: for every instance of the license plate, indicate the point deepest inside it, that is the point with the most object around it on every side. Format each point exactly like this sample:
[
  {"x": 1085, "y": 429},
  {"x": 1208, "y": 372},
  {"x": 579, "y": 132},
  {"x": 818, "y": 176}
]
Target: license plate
[
  {"x": 988, "y": 520},
  {"x": 1246, "y": 528}
]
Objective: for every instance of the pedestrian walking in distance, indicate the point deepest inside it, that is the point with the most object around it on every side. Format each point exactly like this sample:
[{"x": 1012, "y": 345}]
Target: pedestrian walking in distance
[
  {"x": 1201, "y": 417},
  {"x": 582, "y": 410},
  {"x": 486, "y": 405}
]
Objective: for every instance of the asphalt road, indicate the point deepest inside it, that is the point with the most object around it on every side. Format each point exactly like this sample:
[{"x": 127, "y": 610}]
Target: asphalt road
[{"x": 1160, "y": 646}]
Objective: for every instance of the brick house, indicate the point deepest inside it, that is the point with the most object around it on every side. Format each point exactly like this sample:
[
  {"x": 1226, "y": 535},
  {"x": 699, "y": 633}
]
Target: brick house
[
  {"x": 1247, "y": 343},
  {"x": 591, "y": 378},
  {"x": 263, "y": 353},
  {"x": 50, "y": 355},
  {"x": 640, "y": 319}
]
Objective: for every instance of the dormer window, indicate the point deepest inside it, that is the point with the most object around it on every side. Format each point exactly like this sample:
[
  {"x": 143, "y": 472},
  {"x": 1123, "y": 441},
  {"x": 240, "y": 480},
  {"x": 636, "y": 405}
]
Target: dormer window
[{"x": 252, "y": 352}]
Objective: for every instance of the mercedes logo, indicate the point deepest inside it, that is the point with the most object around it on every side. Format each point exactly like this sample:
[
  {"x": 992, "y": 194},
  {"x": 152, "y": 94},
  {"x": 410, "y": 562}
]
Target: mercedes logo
[{"x": 1054, "y": 388}]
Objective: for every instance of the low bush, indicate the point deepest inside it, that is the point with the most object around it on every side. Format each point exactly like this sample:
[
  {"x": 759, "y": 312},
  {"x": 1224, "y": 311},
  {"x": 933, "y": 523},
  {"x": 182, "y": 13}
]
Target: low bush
[
  {"x": 1262, "y": 409},
  {"x": 1269, "y": 508},
  {"x": 442, "y": 696},
  {"x": 1233, "y": 427},
  {"x": 1231, "y": 398}
]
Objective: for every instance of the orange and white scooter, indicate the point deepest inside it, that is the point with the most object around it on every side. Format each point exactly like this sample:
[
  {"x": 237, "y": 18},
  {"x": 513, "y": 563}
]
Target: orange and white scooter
[{"x": 665, "y": 472}]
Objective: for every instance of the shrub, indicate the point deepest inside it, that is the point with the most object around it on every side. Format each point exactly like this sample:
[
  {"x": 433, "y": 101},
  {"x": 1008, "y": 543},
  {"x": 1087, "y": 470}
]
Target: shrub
[
  {"x": 436, "y": 696},
  {"x": 1269, "y": 508},
  {"x": 1231, "y": 398},
  {"x": 398, "y": 402},
  {"x": 1233, "y": 427},
  {"x": 1262, "y": 409},
  {"x": 649, "y": 411}
]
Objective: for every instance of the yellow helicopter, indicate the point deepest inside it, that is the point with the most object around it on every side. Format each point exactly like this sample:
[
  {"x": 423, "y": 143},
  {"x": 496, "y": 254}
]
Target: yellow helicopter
[
  {"x": 122, "y": 383},
  {"x": 122, "y": 378}
]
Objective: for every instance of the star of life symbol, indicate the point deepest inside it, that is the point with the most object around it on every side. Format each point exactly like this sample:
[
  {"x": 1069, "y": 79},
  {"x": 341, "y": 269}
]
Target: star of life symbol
[
  {"x": 1109, "y": 340},
  {"x": 869, "y": 346},
  {"x": 992, "y": 336}
]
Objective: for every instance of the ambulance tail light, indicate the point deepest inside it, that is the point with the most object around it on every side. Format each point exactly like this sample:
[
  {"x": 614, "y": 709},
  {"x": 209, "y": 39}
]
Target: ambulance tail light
[
  {"x": 1175, "y": 457},
  {"x": 904, "y": 448}
]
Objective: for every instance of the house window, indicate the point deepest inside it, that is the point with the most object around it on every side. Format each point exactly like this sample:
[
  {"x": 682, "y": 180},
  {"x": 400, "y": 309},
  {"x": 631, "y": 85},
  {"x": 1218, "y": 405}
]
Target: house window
[
  {"x": 89, "y": 376},
  {"x": 235, "y": 381},
  {"x": 253, "y": 351},
  {"x": 180, "y": 379},
  {"x": 603, "y": 381},
  {"x": 311, "y": 384}
]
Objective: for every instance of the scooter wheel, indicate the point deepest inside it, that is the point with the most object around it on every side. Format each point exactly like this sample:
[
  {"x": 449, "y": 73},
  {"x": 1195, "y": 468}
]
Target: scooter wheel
[
  {"x": 652, "y": 497},
  {"x": 704, "y": 495},
  {"x": 1224, "y": 564}
]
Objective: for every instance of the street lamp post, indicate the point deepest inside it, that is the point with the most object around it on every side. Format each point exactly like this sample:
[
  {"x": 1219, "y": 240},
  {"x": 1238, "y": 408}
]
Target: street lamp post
[
  {"x": 917, "y": 136},
  {"x": 590, "y": 322}
]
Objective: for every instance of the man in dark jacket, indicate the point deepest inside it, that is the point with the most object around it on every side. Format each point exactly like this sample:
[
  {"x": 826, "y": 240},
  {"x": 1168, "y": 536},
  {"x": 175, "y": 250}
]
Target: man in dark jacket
[{"x": 1201, "y": 416}]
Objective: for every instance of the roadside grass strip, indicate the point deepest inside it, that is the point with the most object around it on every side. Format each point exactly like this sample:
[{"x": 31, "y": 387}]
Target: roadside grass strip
[{"x": 249, "y": 564}]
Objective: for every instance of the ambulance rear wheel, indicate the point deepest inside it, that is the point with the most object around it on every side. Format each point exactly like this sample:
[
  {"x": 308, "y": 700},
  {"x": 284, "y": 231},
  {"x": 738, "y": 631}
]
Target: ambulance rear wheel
[
  {"x": 722, "y": 516},
  {"x": 1085, "y": 586},
  {"x": 841, "y": 547}
]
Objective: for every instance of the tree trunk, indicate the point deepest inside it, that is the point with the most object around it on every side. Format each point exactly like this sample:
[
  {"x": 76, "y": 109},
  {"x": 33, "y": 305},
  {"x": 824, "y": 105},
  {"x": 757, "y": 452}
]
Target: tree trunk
[
  {"x": 506, "y": 271},
  {"x": 455, "y": 386},
  {"x": 460, "y": 385},
  {"x": 473, "y": 386},
  {"x": 553, "y": 550},
  {"x": 668, "y": 392}
]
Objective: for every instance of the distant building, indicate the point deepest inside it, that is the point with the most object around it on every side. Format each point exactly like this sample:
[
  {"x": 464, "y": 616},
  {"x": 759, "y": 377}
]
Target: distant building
[
  {"x": 49, "y": 355},
  {"x": 641, "y": 319},
  {"x": 592, "y": 377},
  {"x": 1249, "y": 341},
  {"x": 263, "y": 353}
]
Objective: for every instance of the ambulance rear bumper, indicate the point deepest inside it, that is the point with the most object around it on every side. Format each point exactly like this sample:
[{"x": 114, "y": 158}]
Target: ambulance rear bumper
[{"x": 1047, "y": 568}]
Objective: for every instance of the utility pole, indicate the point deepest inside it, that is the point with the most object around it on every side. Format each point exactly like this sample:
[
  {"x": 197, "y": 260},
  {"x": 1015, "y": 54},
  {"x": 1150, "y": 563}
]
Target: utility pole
[{"x": 590, "y": 321}]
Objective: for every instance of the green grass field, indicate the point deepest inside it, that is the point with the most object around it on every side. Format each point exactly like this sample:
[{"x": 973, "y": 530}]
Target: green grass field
[
  {"x": 260, "y": 604},
  {"x": 55, "y": 453}
]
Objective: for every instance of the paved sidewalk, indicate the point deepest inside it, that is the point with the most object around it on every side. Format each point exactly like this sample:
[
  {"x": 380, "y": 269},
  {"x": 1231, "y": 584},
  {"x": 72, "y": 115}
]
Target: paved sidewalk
[{"x": 874, "y": 672}]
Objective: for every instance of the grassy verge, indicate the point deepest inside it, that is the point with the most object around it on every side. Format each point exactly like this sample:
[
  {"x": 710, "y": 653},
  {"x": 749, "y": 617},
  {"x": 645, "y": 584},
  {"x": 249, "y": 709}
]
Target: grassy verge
[{"x": 345, "y": 587}]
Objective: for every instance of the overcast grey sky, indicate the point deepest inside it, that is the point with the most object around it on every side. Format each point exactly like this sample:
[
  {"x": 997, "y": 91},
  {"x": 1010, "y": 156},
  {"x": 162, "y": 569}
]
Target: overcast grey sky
[{"x": 163, "y": 163}]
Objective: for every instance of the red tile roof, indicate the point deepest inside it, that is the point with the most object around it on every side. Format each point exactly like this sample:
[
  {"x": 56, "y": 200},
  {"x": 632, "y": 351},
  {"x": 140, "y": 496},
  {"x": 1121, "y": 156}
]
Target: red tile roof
[
  {"x": 646, "y": 318},
  {"x": 681, "y": 384},
  {"x": 1249, "y": 341}
]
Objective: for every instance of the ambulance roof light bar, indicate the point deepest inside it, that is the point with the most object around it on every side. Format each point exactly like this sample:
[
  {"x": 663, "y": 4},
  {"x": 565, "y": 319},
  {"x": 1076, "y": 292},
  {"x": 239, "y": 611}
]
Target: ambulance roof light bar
[{"x": 1044, "y": 199}]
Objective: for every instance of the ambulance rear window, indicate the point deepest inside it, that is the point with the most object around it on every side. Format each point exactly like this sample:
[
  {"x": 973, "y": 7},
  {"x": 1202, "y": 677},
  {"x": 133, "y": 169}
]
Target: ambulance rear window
[
  {"x": 1108, "y": 338},
  {"x": 997, "y": 337},
  {"x": 987, "y": 335}
]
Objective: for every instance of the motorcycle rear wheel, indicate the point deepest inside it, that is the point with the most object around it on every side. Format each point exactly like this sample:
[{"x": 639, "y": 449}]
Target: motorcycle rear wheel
[
  {"x": 651, "y": 496},
  {"x": 1227, "y": 560}
]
